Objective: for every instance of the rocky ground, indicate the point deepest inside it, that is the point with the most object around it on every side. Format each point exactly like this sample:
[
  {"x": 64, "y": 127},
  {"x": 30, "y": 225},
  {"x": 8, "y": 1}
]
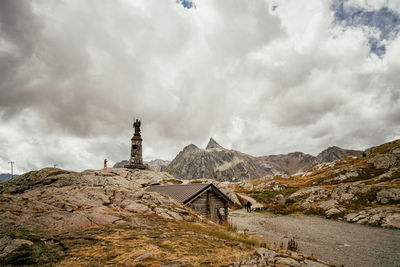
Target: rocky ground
[
  {"x": 337, "y": 242},
  {"x": 104, "y": 217},
  {"x": 364, "y": 190}
]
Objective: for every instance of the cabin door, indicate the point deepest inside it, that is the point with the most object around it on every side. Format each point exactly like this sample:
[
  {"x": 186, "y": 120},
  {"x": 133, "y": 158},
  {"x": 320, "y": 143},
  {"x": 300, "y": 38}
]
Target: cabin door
[{"x": 213, "y": 211}]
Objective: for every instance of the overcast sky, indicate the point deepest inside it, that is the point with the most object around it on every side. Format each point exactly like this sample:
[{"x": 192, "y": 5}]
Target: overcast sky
[{"x": 261, "y": 76}]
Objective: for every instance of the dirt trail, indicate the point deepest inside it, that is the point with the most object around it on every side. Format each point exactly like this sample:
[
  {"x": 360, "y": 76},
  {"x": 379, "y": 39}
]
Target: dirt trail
[
  {"x": 332, "y": 241},
  {"x": 254, "y": 203}
]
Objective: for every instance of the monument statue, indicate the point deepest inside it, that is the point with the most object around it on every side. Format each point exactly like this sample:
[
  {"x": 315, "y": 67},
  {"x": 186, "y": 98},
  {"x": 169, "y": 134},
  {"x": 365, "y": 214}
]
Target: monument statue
[
  {"x": 136, "y": 159},
  {"x": 136, "y": 125}
]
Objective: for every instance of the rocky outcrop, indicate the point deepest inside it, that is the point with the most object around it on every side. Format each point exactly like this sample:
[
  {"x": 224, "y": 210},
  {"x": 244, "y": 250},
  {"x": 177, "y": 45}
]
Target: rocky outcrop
[
  {"x": 263, "y": 257},
  {"x": 363, "y": 190},
  {"x": 8, "y": 245},
  {"x": 382, "y": 216},
  {"x": 63, "y": 200}
]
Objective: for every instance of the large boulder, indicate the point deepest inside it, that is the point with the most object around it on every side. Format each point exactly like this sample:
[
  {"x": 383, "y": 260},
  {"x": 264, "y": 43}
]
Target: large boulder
[{"x": 384, "y": 161}]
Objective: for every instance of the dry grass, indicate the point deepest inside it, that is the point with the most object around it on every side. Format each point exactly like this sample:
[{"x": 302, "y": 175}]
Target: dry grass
[
  {"x": 326, "y": 177},
  {"x": 168, "y": 240}
]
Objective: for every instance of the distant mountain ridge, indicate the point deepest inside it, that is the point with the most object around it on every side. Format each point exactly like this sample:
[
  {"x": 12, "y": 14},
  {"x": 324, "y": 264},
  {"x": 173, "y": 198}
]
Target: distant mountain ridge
[
  {"x": 6, "y": 176},
  {"x": 158, "y": 165},
  {"x": 216, "y": 162}
]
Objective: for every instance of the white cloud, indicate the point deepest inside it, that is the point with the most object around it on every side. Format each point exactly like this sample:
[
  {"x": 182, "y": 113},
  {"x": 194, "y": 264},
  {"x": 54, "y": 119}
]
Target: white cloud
[{"x": 257, "y": 79}]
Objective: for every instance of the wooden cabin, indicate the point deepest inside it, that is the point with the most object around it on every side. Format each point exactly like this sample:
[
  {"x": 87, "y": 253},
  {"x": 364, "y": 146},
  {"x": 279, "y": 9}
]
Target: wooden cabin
[{"x": 205, "y": 199}]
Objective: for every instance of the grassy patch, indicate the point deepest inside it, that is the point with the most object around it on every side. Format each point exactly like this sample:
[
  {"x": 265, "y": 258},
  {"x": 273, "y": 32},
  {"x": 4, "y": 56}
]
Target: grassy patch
[
  {"x": 168, "y": 240},
  {"x": 40, "y": 253}
]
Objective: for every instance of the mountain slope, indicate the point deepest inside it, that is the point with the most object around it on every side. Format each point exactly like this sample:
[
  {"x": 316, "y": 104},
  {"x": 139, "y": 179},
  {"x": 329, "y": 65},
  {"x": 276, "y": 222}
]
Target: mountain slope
[
  {"x": 216, "y": 162},
  {"x": 362, "y": 189},
  {"x": 333, "y": 153}
]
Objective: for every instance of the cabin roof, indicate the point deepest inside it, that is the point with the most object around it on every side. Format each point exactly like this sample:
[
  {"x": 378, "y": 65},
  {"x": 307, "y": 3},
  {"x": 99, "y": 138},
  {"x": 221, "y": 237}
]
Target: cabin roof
[{"x": 185, "y": 192}]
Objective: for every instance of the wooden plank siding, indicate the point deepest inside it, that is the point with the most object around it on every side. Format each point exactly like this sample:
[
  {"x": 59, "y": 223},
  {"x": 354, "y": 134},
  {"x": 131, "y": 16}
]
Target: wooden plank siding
[
  {"x": 205, "y": 199},
  {"x": 208, "y": 203}
]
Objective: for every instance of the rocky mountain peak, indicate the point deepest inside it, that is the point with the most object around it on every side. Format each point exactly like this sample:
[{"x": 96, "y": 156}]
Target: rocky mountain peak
[
  {"x": 212, "y": 144},
  {"x": 333, "y": 153},
  {"x": 191, "y": 148}
]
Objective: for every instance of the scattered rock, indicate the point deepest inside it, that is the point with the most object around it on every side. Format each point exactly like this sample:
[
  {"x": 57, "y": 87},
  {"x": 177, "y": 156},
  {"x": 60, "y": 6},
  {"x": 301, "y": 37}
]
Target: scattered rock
[
  {"x": 287, "y": 262},
  {"x": 332, "y": 212},
  {"x": 266, "y": 253},
  {"x": 388, "y": 194},
  {"x": 280, "y": 199},
  {"x": 8, "y": 245},
  {"x": 349, "y": 217},
  {"x": 327, "y": 205},
  {"x": 136, "y": 207},
  {"x": 392, "y": 221},
  {"x": 144, "y": 256}
]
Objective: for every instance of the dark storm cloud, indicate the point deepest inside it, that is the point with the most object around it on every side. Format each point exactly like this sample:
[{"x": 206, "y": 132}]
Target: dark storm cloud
[
  {"x": 256, "y": 78},
  {"x": 18, "y": 31}
]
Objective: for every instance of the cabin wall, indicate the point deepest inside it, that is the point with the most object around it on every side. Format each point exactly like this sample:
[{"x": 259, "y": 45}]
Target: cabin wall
[{"x": 208, "y": 203}]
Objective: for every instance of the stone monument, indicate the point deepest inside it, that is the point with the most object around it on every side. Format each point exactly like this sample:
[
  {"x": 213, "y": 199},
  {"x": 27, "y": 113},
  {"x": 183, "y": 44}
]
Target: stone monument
[{"x": 136, "y": 159}]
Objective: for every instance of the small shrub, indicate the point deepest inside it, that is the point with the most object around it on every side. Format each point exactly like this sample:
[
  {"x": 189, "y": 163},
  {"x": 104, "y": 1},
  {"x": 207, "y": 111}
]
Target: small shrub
[{"x": 292, "y": 245}]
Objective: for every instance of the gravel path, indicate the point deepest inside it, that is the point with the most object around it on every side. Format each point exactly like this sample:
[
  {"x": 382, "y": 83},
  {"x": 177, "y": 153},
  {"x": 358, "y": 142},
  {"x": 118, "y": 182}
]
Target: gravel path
[{"x": 332, "y": 241}]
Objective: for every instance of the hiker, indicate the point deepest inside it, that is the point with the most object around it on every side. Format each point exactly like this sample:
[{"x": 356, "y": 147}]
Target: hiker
[{"x": 248, "y": 206}]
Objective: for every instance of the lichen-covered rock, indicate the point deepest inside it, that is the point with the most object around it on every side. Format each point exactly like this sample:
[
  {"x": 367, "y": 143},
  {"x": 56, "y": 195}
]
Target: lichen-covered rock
[
  {"x": 143, "y": 257},
  {"x": 286, "y": 262},
  {"x": 327, "y": 205},
  {"x": 381, "y": 216},
  {"x": 384, "y": 161},
  {"x": 332, "y": 212},
  {"x": 135, "y": 207},
  {"x": 389, "y": 194},
  {"x": 62, "y": 200},
  {"x": 392, "y": 221},
  {"x": 8, "y": 245}
]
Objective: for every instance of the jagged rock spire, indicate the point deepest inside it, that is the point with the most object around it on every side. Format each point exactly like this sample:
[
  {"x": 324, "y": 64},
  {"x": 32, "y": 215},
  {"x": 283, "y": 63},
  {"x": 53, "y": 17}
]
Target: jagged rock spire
[{"x": 213, "y": 144}]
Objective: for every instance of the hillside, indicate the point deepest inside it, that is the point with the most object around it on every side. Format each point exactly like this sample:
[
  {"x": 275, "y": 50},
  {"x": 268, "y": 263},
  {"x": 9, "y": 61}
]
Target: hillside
[
  {"x": 105, "y": 217},
  {"x": 364, "y": 189},
  {"x": 216, "y": 162},
  {"x": 92, "y": 217}
]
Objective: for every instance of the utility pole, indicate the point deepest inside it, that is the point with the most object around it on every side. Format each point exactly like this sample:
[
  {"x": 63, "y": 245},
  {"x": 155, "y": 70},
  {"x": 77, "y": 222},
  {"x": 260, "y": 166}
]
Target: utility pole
[{"x": 12, "y": 168}]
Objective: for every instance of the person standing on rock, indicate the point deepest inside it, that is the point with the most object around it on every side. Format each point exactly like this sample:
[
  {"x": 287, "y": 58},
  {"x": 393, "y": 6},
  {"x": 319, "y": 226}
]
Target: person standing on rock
[{"x": 105, "y": 163}]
